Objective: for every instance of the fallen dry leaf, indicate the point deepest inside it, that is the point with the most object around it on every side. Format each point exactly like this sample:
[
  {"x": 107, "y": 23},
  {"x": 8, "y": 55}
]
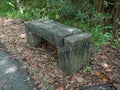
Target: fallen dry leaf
[
  {"x": 104, "y": 57},
  {"x": 102, "y": 76},
  {"x": 22, "y": 36},
  {"x": 35, "y": 78},
  {"x": 80, "y": 79},
  {"x": 105, "y": 65},
  {"x": 61, "y": 88},
  {"x": 108, "y": 70},
  {"x": 25, "y": 59}
]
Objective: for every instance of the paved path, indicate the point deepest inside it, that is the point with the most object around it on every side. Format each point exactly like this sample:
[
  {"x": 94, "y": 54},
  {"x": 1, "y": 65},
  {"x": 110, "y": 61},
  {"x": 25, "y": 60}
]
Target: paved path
[{"x": 12, "y": 77}]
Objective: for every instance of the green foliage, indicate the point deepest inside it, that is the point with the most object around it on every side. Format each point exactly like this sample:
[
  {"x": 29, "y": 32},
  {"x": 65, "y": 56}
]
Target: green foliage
[
  {"x": 87, "y": 69},
  {"x": 67, "y": 12},
  {"x": 6, "y": 5},
  {"x": 28, "y": 79},
  {"x": 53, "y": 59},
  {"x": 116, "y": 44},
  {"x": 98, "y": 35},
  {"x": 94, "y": 25},
  {"x": 78, "y": 14}
]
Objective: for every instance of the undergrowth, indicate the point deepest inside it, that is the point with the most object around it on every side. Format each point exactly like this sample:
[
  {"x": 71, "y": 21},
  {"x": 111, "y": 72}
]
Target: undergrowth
[{"x": 83, "y": 17}]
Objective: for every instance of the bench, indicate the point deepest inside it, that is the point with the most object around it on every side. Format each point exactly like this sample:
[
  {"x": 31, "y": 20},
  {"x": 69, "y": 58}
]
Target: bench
[{"x": 72, "y": 44}]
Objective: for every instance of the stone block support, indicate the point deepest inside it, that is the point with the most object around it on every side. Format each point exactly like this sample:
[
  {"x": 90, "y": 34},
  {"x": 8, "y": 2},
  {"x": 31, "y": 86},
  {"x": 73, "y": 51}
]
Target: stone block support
[{"x": 75, "y": 53}]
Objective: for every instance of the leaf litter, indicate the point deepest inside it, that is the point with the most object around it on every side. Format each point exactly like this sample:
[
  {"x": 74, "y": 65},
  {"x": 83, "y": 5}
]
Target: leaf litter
[{"x": 105, "y": 64}]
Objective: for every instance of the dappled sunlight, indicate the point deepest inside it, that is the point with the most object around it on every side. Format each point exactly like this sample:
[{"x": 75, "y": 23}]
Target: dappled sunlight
[
  {"x": 7, "y": 67},
  {"x": 8, "y": 20},
  {"x": 3, "y": 62},
  {"x": 71, "y": 30},
  {"x": 11, "y": 69},
  {"x": 105, "y": 65}
]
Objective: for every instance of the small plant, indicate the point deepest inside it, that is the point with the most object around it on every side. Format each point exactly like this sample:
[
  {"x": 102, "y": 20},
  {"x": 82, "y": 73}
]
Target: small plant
[
  {"x": 87, "y": 69},
  {"x": 52, "y": 58},
  {"x": 28, "y": 79},
  {"x": 80, "y": 15},
  {"x": 116, "y": 44}
]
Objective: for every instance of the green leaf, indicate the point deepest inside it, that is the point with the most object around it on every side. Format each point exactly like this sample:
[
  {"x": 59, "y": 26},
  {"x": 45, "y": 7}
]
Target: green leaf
[
  {"x": 87, "y": 69},
  {"x": 28, "y": 79},
  {"x": 52, "y": 58}
]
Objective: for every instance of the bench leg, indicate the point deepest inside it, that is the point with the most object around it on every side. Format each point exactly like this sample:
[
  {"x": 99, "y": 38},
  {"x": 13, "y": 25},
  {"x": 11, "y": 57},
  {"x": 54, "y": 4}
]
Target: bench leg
[
  {"x": 75, "y": 53},
  {"x": 33, "y": 40},
  {"x": 64, "y": 59}
]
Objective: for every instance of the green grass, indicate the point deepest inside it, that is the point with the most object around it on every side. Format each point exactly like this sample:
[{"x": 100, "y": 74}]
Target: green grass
[{"x": 67, "y": 15}]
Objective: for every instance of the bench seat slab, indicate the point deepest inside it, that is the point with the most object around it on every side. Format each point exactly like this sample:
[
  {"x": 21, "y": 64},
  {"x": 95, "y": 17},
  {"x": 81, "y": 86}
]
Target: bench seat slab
[{"x": 51, "y": 31}]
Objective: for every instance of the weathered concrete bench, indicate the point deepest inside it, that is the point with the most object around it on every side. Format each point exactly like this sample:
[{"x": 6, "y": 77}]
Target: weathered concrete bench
[{"x": 72, "y": 44}]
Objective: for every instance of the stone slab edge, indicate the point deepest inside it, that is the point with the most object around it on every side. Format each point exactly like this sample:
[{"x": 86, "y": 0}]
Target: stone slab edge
[{"x": 51, "y": 37}]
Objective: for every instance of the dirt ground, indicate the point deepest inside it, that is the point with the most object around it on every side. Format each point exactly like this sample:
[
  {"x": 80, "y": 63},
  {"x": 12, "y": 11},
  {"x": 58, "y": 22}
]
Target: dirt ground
[{"x": 104, "y": 63}]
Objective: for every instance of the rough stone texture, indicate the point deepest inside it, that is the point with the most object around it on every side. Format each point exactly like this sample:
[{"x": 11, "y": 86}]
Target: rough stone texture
[
  {"x": 75, "y": 53},
  {"x": 32, "y": 39},
  {"x": 51, "y": 31},
  {"x": 72, "y": 44}
]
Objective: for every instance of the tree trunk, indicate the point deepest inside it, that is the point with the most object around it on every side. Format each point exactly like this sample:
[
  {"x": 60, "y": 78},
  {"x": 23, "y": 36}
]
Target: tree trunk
[
  {"x": 117, "y": 10},
  {"x": 18, "y": 7},
  {"x": 99, "y": 6}
]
